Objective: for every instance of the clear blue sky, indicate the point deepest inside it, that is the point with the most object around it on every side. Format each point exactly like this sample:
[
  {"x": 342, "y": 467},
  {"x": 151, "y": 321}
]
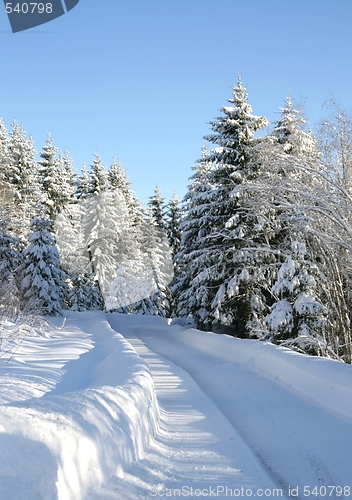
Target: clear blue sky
[{"x": 141, "y": 79}]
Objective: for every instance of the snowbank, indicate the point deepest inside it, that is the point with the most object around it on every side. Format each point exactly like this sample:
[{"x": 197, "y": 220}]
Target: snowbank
[
  {"x": 326, "y": 381},
  {"x": 89, "y": 428}
]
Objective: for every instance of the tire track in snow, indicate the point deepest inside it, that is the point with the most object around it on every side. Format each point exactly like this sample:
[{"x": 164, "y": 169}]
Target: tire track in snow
[
  {"x": 289, "y": 433},
  {"x": 196, "y": 447}
]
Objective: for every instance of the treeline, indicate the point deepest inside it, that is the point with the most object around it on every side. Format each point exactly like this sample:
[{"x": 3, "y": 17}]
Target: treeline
[
  {"x": 260, "y": 247},
  {"x": 79, "y": 242},
  {"x": 267, "y": 230}
]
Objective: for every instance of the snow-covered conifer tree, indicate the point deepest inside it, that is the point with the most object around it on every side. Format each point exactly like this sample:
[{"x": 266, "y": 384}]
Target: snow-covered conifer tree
[
  {"x": 8, "y": 195},
  {"x": 194, "y": 226},
  {"x": 82, "y": 184},
  {"x": 134, "y": 279},
  {"x": 70, "y": 239},
  {"x": 298, "y": 319},
  {"x": 173, "y": 223},
  {"x": 118, "y": 179},
  {"x": 4, "y": 152},
  {"x": 10, "y": 259},
  {"x": 105, "y": 223},
  {"x": 228, "y": 272},
  {"x": 67, "y": 180},
  {"x": 290, "y": 133},
  {"x": 43, "y": 280},
  {"x": 22, "y": 174},
  {"x": 157, "y": 266},
  {"x": 97, "y": 178},
  {"x": 82, "y": 293},
  {"x": 157, "y": 207},
  {"x": 50, "y": 178}
]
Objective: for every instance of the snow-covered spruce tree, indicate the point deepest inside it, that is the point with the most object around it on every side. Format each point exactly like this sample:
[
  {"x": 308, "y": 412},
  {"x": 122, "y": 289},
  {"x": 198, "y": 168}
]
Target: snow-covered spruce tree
[
  {"x": 50, "y": 178},
  {"x": 4, "y": 152},
  {"x": 290, "y": 133},
  {"x": 106, "y": 223},
  {"x": 70, "y": 239},
  {"x": 117, "y": 178},
  {"x": 287, "y": 149},
  {"x": 157, "y": 208},
  {"x": 67, "y": 177},
  {"x": 173, "y": 224},
  {"x": 193, "y": 227},
  {"x": 10, "y": 260},
  {"x": 157, "y": 266},
  {"x": 22, "y": 174},
  {"x": 228, "y": 273},
  {"x": 82, "y": 292},
  {"x": 43, "y": 280},
  {"x": 22, "y": 155},
  {"x": 134, "y": 280},
  {"x": 274, "y": 159},
  {"x": 82, "y": 184},
  {"x": 94, "y": 216},
  {"x": 298, "y": 319},
  {"x": 97, "y": 178}
]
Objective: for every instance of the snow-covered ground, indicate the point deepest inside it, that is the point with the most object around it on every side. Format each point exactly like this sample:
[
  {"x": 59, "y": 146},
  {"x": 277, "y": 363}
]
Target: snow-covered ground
[{"x": 125, "y": 407}]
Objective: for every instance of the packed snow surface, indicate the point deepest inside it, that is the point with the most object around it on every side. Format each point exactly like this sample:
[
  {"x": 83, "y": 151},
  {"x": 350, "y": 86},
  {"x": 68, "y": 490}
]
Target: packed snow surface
[{"x": 127, "y": 407}]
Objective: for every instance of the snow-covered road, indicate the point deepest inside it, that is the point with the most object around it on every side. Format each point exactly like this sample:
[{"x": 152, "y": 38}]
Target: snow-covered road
[
  {"x": 243, "y": 430},
  {"x": 164, "y": 411}
]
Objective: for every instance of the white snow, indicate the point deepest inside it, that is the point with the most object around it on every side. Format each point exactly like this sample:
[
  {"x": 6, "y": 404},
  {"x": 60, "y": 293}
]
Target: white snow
[
  {"x": 324, "y": 380},
  {"x": 95, "y": 422},
  {"x": 90, "y": 414}
]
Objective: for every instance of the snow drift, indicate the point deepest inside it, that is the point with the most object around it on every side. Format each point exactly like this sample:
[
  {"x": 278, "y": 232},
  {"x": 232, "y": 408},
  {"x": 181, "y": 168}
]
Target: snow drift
[
  {"x": 326, "y": 381},
  {"x": 74, "y": 438}
]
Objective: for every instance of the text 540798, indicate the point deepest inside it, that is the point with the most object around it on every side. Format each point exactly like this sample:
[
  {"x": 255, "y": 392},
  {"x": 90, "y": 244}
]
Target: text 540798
[{"x": 29, "y": 8}]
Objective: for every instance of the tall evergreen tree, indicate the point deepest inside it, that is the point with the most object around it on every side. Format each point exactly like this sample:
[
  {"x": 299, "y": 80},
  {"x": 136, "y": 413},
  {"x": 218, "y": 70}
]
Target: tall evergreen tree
[
  {"x": 82, "y": 292},
  {"x": 106, "y": 220},
  {"x": 97, "y": 179},
  {"x": 43, "y": 280},
  {"x": 10, "y": 260},
  {"x": 4, "y": 151},
  {"x": 157, "y": 262},
  {"x": 8, "y": 195},
  {"x": 193, "y": 228},
  {"x": 301, "y": 193},
  {"x": 82, "y": 184},
  {"x": 133, "y": 281},
  {"x": 22, "y": 173},
  {"x": 173, "y": 224},
  {"x": 67, "y": 178},
  {"x": 157, "y": 207},
  {"x": 228, "y": 273},
  {"x": 117, "y": 178},
  {"x": 290, "y": 132},
  {"x": 50, "y": 178}
]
